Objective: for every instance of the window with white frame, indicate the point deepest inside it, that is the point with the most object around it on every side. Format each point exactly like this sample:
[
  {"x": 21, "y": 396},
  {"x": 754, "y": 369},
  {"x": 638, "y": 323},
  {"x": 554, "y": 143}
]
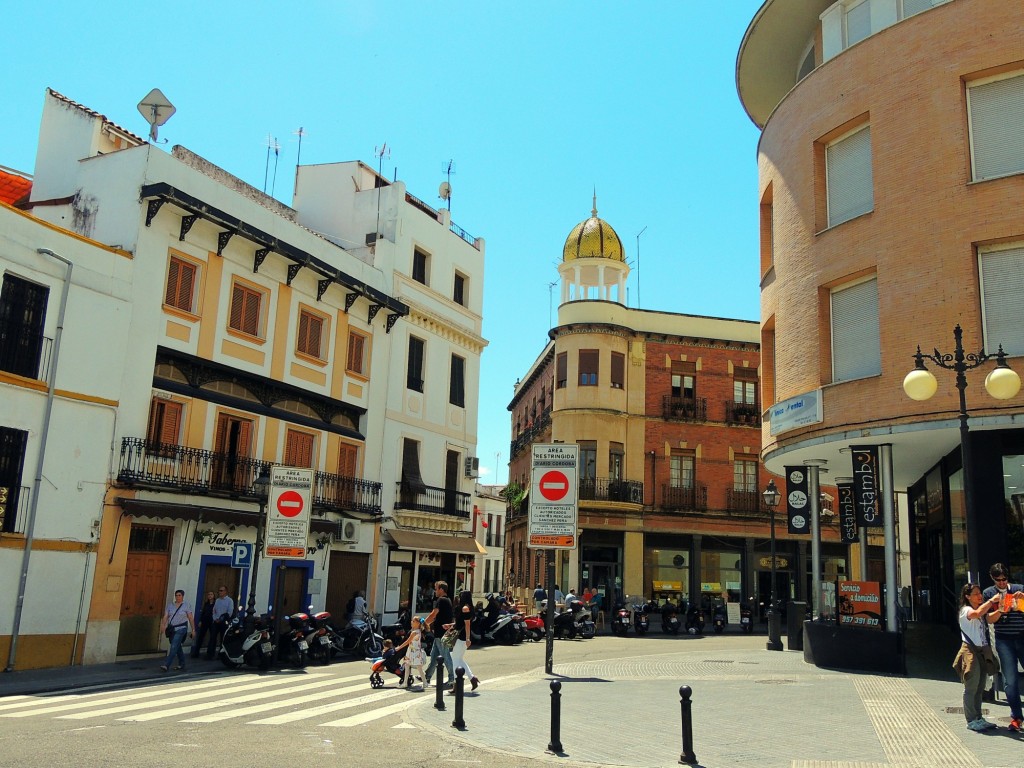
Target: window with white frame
[
  {"x": 1002, "y": 297},
  {"x": 744, "y": 474},
  {"x": 996, "y": 115},
  {"x": 848, "y": 175},
  {"x": 857, "y": 22},
  {"x": 856, "y": 343}
]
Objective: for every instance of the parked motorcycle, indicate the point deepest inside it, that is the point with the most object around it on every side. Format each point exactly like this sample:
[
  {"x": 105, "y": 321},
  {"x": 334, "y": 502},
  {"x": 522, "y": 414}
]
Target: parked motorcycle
[
  {"x": 292, "y": 647},
  {"x": 747, "y": 616},
  {"x": 695, "y": 619},
  {"x": 621, "y": 621},
  {"x": 641, "y": 622},
  {"x": 670, "y": 618},
  {"x": 719, "y": 619},
  {"x": 252, "y": 646},
  {"x": 359, "y": 638},
  {"x": 585, "y": 627},
  {"x": 494, "y": 624},
  {"x": 319, "y": 639},
  {"x": 533, "y": 627}
]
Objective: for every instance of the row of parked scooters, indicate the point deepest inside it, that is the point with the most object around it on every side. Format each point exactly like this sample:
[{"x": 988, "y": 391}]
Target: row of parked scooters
[
  {"x": 301, "y": 639},
  {"x": 693, "y": 623}
]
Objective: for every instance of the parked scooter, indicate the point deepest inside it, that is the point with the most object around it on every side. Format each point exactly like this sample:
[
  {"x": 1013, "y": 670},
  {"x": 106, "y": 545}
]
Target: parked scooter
[
  {"x": 533, "y": 627},
  {"x": 319, "y": 639},
  {"x": 640, "y": 619},
  {"x": 292, "y": 647},
  {"x": 747, "y": 616},
  {"x": 493, "y": 624},
  {"x": 359, "y": 638},
  {"x": 253, "y": 647},
  {"x": 719, "y": 619},
  {"x": 670, "y": 618},
  {"x": 585, "y": 627},
  {"x": 695, "y": 619},
  {"x": 621, "y": 621}
]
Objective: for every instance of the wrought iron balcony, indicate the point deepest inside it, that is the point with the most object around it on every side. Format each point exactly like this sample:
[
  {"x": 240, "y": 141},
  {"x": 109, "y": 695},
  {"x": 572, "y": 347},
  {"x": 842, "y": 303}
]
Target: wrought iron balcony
[
  {"x": 744, "y": 501},
  {"x": 610, "y": 489},
  {"x": 742, "y": 413},
  {"x": 427, "y": 498},
  {"x": 531, "y": 433},
  {"x": 166, "y": 466},
  {"x": 677, "y": 498},
  {"x": 684, "y": 408}
]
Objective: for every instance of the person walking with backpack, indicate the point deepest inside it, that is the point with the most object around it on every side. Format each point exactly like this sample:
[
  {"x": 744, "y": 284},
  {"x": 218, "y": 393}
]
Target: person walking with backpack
[{"x": 1008, "y": 623}]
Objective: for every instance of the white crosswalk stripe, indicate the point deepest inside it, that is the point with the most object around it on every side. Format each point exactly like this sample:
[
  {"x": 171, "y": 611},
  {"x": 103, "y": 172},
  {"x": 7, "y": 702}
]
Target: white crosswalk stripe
[{"x": 311, "y": 697}]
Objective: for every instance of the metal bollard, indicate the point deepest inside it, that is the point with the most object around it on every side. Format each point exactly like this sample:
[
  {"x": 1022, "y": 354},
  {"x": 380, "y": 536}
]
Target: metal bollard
[
  {"x": 555, "y": 745},
  {"x": 439, "y": 696},
  {"x": 460, "y": 682},
  {"x": 687, "y": 756}
]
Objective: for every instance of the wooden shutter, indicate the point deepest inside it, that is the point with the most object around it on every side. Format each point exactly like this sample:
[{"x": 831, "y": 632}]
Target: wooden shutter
[
  {"x": 561, "y": 370},
  {"x": 1002, "y": 291},
  {"x": 997, "y": 127},
  {"x": 181, "y": 281},
  {"x": 164, "y": 422},
  {"x": 311, "y": 328},
  {"x": 849, "y": 177},
  {"x": 245, "y": 310},
  {"x": 457, "y": 386},
  {"x": 298, "y": 451},
  {"x": 348, "y": 456},
  {"x": 856, "y": 342},
  {"x": 356, "y": 344}
]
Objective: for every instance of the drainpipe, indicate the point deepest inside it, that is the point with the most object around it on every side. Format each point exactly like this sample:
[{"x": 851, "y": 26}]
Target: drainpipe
[{"x": 34, "y": 506}]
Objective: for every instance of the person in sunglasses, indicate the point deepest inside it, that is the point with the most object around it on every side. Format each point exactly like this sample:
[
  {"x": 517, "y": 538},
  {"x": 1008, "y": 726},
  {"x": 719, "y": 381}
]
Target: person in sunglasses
[{"x": 1008, "y": 623}]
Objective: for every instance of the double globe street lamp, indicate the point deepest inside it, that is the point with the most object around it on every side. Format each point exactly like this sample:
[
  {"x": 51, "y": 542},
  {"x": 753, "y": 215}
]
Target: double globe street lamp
[
  {"x": 1001, "y": 383},
  {"x": 772, "y": 497}
]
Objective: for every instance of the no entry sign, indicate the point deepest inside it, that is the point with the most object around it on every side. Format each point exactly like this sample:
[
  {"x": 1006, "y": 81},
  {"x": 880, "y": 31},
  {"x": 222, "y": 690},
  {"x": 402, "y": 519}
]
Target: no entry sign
[
  {"x": 553, "y": 509},
  {"x": 554, "y": 485},
  {"x": 288, "y": 512}
]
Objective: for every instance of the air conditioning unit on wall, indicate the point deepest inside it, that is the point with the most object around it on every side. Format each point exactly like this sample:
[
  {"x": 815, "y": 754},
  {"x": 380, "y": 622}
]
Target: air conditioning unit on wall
[
  {"x": 348, "y": 532},
  {"x": 472, "y": 466}
]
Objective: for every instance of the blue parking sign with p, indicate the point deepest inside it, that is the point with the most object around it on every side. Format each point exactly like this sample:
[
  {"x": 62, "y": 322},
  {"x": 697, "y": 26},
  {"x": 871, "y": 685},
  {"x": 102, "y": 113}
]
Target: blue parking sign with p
[{"x": 241, "y": 555}]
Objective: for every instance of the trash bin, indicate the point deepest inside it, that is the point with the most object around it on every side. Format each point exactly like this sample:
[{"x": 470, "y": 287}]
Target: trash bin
[{"x": 796, "y": 612}]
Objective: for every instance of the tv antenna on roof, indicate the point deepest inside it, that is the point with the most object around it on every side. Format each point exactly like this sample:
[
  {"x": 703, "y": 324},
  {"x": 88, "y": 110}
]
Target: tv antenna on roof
[
  {"x": 298, "y": 157},
  {"x": 271, "y": 145},
  {"x": 156, "y": 109},
  {"x": 381, "y": 152},
  {"x": 445, "y": 190}
]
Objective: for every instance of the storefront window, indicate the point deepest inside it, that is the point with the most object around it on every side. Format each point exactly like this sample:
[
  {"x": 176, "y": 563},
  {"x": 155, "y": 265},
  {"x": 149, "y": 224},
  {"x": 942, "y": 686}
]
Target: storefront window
[
  {"x": 958, "y": 523},
  {"x": 667, "y": 572},
  {"x": 720, "y": 577},
  {"x": 1013, "y": 489}
]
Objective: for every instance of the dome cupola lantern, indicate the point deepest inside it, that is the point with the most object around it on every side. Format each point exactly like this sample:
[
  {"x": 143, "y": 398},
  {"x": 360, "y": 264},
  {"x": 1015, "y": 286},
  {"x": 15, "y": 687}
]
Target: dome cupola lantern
[{"x": 593, "y": 262}]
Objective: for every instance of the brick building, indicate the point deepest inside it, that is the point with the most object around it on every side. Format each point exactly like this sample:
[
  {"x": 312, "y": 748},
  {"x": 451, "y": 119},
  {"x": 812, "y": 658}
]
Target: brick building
[
  {"x": 665, "y": 409},
  {"x": 890, "y": 203}
]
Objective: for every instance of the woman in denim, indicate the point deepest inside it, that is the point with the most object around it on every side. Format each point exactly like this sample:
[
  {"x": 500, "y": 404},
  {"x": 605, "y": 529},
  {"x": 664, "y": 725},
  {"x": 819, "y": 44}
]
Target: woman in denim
[{"x": 178, "y": 616}]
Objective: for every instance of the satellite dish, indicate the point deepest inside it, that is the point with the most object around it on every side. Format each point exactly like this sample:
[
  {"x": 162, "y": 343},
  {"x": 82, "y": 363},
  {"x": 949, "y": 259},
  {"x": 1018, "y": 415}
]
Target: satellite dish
[
  {"x": 156, "y": 110},
  {"x": 444, "y": 191}
]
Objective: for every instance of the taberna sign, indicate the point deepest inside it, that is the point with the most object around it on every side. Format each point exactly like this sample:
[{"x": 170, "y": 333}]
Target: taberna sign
[
  {"x": 865, "y": 485},
  {"x": 798, "y": 507}
]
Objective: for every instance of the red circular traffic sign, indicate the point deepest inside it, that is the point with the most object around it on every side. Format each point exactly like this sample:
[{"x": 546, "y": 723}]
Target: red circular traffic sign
[
  {"x": 290, "y": 503},
  {"x": 554, "y": 485}
]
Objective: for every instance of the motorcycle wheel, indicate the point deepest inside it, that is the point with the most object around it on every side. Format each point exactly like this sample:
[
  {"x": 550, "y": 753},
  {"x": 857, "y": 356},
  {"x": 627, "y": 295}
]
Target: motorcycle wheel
[
  {"x": 300, "y": 659},
  {"x": 372, "y": 647},
  {"x": 320, "y": 654},
  {"x": 228, "y": 662},
  {"x": 718, "y": 629}
]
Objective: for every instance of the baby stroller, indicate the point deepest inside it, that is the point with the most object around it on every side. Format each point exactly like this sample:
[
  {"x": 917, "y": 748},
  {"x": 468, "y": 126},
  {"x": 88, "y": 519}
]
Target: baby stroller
[{"x": 382, "y": 664}]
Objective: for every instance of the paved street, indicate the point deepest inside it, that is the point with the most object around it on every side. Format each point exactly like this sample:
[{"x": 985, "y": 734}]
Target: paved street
[{"x": 620, "y": 706}]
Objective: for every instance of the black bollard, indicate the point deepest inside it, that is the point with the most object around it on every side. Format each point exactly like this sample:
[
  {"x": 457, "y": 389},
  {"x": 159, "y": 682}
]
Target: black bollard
[
  {"x": 460, "y": 682},
  {"x": 555, "y": 745},
  {"x": 687, "y": 756},
  {"x": 439, "y": 697}
]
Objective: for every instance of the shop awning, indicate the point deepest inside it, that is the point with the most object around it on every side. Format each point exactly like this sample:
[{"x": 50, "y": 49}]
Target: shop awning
[
  {"x": 140, "y": 508},
  {"x": 435, "y": 542}
]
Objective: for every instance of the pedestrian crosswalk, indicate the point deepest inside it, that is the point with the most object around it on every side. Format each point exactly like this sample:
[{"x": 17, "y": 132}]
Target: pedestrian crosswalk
[{"x": 313, "y": 697}]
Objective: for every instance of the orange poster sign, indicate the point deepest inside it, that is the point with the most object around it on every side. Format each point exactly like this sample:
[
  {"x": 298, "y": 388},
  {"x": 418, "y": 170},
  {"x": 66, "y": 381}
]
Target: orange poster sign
[{"x": 860, "y": 604}]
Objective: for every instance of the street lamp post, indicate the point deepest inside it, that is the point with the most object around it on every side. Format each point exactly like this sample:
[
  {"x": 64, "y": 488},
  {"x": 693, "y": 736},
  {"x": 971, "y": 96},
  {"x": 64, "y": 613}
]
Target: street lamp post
[
  {"x": 1002, "y": 383},
  {"x": 261, "y": 489},
  {"x": 771, "y": 498}
]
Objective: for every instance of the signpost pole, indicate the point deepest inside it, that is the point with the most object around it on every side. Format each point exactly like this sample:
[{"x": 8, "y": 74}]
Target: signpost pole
[{"x": 549, "y": 621}]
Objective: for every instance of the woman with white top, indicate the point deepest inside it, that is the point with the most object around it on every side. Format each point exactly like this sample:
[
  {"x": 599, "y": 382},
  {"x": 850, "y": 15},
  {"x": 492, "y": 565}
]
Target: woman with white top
[{"x": 970, "y": 661}]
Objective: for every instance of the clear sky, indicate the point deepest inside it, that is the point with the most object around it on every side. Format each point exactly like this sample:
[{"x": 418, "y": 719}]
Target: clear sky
[{"x": 537, "y": 103}]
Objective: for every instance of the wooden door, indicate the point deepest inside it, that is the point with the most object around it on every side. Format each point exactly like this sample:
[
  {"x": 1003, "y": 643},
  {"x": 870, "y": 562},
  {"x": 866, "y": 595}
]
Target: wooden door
[
  {"x": 348, "y": 571},
  {"x": 143, "y": 599},
  {"x": 292, "y": 591},
  {"x": 218, "y": 574}
]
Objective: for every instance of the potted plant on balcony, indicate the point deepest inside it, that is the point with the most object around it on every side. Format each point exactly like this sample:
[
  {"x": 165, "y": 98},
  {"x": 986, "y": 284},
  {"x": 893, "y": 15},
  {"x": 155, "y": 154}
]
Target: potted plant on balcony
[{"x": 514, "y": 494}]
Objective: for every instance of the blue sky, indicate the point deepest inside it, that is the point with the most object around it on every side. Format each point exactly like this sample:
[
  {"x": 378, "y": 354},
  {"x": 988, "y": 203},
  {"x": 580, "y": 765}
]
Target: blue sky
[{"x": 537, "y": 103}]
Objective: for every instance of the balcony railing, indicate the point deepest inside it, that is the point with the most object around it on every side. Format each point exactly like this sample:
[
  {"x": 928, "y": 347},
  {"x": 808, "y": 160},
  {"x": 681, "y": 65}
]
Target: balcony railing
[
  {"x": 742, "y": 413},
  {"x": 15, "y": 516},
  {"x": 684, "y": 408},
  {"x": 22, "y": 354},
  {"x": 692, "y": 498},
  {"x": 528, "y": 435},
  {"x": 206, "y": 473},
  {"x": 744, "y": 501},
  {"x": 609, "y": 489},
  {"x": 427, "y": 498}
]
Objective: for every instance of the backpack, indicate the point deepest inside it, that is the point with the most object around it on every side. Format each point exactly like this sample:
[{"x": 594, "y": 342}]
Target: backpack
[{"x": 350, "y": 606}]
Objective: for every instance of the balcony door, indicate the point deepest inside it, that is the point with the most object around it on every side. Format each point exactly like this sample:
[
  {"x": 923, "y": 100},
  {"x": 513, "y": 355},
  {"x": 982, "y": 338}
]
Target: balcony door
[
  {"x": 232, "y": 445},
  {"x": 22, "y": 313}
]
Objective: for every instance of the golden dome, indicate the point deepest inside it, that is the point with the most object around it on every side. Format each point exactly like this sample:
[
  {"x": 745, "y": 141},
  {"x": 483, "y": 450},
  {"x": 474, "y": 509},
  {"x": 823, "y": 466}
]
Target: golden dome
[{"x": 593, "y": 239}]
